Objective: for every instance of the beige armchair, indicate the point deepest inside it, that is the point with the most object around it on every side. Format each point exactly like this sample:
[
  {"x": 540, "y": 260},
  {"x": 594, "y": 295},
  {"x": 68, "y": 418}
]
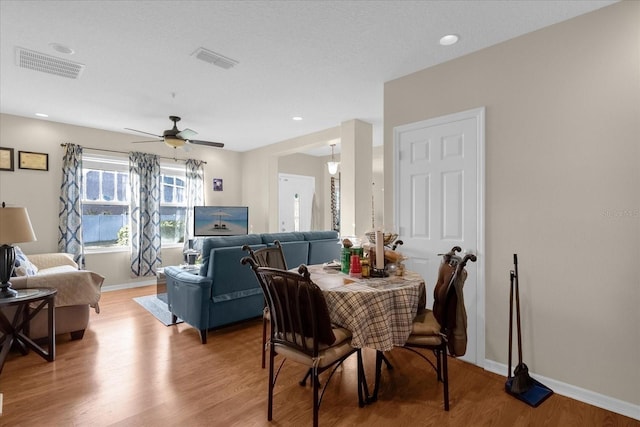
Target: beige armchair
[{"x": 77, "y": 291}]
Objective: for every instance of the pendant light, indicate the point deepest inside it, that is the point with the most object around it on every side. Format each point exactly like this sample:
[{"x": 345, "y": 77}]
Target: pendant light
[{"x": 332, "y": 165}]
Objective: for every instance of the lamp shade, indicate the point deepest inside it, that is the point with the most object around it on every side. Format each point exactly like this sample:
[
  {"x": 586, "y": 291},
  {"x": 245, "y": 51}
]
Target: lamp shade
[
  {"x": 333, "y": 167},
  {"x": 15, "y": 226}
]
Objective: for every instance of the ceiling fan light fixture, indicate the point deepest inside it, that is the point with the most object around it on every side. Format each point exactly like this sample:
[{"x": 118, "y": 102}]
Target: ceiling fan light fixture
[
  {"x": 173, "y": 141},
  {"x": 332, "y": 166}
]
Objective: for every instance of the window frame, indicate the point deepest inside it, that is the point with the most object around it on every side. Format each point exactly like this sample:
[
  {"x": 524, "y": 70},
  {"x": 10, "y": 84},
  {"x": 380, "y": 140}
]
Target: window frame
[{"x": 103, "y": 162}]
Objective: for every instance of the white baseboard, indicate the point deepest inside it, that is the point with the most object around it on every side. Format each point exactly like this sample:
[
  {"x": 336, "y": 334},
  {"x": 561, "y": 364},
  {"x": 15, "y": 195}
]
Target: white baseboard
[
  {"x": 131, "y": 285},
  {"x": 583, "y": 395}
]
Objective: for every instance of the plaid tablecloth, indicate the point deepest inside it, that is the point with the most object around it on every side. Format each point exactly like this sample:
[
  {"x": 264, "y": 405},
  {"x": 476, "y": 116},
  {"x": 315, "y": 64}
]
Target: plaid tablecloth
[{"x": 377, "y": 311}]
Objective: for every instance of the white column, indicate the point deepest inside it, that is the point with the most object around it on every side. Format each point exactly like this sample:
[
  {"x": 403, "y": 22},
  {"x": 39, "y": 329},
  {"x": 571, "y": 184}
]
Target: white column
[{"x": 356, "y": 140}]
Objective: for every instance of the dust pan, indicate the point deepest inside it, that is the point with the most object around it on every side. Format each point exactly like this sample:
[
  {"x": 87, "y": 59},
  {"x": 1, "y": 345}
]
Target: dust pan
[{"x": 520, "y": 385}]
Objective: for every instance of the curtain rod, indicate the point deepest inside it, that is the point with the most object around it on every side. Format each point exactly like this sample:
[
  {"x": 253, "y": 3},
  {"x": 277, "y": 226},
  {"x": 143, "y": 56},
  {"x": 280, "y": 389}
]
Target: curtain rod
[{"x": 64, "y": 144}]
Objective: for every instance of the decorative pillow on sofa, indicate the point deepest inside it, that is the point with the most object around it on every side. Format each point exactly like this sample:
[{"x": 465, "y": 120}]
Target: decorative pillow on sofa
[{"x": 22, "y": 265}]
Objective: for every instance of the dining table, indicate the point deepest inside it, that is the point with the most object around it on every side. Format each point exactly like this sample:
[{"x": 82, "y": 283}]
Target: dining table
[{"x": 379, "y": 311}]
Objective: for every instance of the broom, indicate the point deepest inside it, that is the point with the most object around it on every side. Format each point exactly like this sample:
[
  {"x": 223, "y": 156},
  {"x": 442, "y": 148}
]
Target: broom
[{"x": 521, "y": 380}]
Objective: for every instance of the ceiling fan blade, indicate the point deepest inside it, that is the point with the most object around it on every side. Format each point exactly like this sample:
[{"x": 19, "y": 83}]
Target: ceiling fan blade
[
  {"x": 186, "y": 133},
  {"x": 153, "y": 140},
  {"x": 209, "y": 143},
  {"x": 146, "y": 133}
]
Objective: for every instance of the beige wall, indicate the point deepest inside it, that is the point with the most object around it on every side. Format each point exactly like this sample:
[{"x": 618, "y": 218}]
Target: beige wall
[
  {"x": 306, "y": 165},
  {"x": 39, "y": 191},
  {"x": 249, "y": 179},
  {"x": 260, "y": 169},
  {"x": 562, "y": 189}
]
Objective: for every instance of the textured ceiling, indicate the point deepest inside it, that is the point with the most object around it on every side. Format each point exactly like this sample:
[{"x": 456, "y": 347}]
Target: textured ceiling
[{"x": 326, "y": 61}]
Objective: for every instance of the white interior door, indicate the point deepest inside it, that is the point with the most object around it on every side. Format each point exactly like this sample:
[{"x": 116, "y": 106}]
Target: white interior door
[
  {"x": 439, "y": 187},
  {"x": 295, "y": 196}
]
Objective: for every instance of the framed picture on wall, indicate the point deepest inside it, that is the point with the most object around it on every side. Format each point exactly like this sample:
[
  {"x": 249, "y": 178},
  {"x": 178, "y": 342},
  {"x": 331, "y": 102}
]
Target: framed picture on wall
[
  {"x": 217, "y": 184},
  {"x": 6, "y": 159},
  {"x": 34, "y": 161}
]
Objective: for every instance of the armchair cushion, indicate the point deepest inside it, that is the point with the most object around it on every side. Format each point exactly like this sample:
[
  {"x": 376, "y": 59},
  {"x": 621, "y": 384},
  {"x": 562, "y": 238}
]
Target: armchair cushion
[
  {"x": 75, "y": 287},
  {"x": 54, "y": 259},
  {"x": 58, "y": 270}
]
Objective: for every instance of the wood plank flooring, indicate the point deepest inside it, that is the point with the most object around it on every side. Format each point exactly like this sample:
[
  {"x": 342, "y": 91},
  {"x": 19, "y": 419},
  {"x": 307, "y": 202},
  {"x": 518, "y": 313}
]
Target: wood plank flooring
[{"x": 130, "y": 370}]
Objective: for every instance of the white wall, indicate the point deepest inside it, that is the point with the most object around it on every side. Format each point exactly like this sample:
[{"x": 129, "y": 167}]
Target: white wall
[{"x": 562, "y": 189}]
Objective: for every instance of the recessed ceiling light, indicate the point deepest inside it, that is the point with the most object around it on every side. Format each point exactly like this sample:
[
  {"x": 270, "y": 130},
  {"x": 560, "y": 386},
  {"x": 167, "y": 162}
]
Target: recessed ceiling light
[
  {"x": 296, "y": 118},
  {"x": 42, "y": 115},
  {"x": 62, "y": 48},
  {"x": 449, "y": 39}
]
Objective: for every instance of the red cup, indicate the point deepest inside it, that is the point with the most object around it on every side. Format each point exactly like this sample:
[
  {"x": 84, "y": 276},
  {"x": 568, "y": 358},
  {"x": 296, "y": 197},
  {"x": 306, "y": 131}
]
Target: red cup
[{"x": 355, "y": 269}]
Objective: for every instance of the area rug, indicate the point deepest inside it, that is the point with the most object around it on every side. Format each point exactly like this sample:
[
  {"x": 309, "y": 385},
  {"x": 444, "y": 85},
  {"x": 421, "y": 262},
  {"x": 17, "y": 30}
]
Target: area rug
[{"x": 158, "y": 308}]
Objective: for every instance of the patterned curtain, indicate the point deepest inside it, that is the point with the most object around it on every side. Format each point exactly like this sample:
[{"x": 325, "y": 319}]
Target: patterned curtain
[
  {"x": 195, "y": 195},
  {"x": 70, "y": 217},
  {"x": 144, "y": 178}
]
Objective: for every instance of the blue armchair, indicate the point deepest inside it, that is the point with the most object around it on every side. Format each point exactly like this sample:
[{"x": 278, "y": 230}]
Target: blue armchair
[{"x": 225, "y": 291}]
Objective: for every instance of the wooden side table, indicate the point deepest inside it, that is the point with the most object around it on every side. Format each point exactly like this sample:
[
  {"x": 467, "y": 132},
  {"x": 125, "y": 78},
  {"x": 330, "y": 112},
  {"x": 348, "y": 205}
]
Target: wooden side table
[{"x": 16, "y": 331}]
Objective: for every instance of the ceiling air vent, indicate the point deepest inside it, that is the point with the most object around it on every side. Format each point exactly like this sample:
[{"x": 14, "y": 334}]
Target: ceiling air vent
[
  {"x": 47, "y": 64},
  {"x": 214, "y": 58}
]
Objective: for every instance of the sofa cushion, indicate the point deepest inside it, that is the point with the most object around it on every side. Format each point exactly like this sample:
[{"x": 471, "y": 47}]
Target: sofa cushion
[
  {"x": 226, "y": 241},
  {"x": 227, "y": 273},
  {"x": 223, "y": 242},
  {"x": 22, "y": 265},
  {"x": 269, "y": 238},
  {"x": 320, "y": 235},
  {"x": 295, "y": 253}
]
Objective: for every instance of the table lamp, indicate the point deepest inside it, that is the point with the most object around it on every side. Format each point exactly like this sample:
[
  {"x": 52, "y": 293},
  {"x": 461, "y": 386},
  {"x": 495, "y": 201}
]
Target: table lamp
[{"x": 15, "y": 227}]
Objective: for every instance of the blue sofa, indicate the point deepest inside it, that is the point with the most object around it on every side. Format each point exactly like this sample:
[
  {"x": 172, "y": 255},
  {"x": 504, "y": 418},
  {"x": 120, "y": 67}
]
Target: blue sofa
[{"x": 225, "y": 291}]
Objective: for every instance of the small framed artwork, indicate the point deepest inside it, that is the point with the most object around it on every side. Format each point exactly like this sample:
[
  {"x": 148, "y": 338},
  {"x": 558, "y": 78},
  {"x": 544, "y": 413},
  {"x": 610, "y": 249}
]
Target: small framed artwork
[
  {"x": 6, "y": 159},
  {"x": 217, "y": 184},
  {"x": 35, "y": 161}
]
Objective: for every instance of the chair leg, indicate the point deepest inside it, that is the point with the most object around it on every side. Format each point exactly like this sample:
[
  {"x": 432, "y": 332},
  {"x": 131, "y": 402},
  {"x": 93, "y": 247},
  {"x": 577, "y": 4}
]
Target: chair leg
[
  {"x": 363, "y": 389},
  {"x": 315, "y": 381},
  {"x": 386, "y": 362},
  {"x": 270, "y": 391},
  {"x": 303, "y": 381},
  {"x": 264, "y": 341},
  {"x": 379, "y": 358},
  {"x": 445, "y": 379},
  {"x": 203, "y": 336}
]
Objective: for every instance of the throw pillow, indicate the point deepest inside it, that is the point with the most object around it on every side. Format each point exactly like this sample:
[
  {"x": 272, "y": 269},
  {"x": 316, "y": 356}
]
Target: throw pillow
[{"x": 22, "y": 265}]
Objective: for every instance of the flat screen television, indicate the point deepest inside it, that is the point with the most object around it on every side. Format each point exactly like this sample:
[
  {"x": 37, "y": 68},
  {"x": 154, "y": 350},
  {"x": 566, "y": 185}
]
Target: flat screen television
[{"x": 220, "y": 220}]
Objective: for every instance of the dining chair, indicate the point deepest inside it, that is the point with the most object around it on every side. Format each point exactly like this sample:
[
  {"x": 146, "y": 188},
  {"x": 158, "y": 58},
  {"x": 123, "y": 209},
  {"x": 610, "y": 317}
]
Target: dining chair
[
  {"x": 270, "y": 256},
  {"x": 302, "y": 332},
  {"x": 444, "y": 327}
]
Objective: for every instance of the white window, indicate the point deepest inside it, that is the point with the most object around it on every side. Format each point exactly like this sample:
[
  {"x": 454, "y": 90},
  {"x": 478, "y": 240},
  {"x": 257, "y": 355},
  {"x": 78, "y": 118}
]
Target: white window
[
  {"x": 105, "y": 202},
  {"x": 173, "y": 205},
  {"x": 105, "y": 211}
]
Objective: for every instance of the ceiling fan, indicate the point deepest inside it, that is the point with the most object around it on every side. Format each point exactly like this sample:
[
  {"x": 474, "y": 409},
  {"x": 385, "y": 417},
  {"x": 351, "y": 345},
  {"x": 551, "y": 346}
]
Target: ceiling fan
[{"x": 177, "y": 138}]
